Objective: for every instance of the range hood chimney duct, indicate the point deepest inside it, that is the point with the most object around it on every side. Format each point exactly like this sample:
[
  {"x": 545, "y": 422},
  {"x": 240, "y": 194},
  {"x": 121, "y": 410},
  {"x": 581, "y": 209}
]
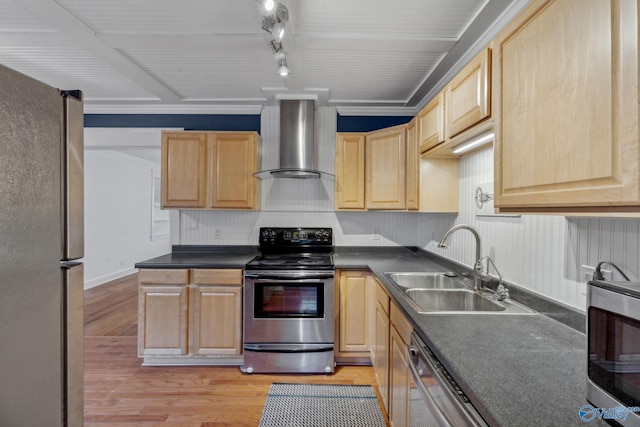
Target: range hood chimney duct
[{"x": 297, "y": 150}]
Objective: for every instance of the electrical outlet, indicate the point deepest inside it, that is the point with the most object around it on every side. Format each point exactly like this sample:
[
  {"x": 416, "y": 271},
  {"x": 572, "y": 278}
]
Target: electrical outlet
[
  {"x": 192, "y": 224},
  {"x": 587, "y": 271},
  {"x": 375, "y": 235},
  {"x": 217, "y": 232}
]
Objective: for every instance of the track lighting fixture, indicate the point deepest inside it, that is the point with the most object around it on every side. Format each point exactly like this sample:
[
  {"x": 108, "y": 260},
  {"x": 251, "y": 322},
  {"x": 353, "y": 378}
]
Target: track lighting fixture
[
  {"x": 275, "y": 25},
  {"x": 267, "y": 7},
  {"x": 283, "y": 70},
  {"x": 278, "y": 51}
]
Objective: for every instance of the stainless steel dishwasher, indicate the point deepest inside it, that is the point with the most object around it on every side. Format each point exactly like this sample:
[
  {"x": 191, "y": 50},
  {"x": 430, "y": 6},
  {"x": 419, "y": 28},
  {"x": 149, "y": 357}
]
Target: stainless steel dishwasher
[{"x": 435, "y": 398}]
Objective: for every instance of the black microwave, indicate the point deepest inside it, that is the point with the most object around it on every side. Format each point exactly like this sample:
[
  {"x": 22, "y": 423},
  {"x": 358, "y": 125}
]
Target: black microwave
[{"x": 613, "y": 349}]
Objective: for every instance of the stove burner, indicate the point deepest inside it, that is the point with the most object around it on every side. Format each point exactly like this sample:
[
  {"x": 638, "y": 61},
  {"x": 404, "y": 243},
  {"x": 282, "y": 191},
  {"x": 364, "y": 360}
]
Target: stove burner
[
  {"x": 294, "y": 249},
  {"x": 272, "y": 261},
  {"x": 313, "y": 260},
  {"x": 294, "y": 260}
]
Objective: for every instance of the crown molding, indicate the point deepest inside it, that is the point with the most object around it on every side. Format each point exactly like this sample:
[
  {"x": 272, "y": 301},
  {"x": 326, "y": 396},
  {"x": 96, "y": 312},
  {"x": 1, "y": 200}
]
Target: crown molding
[
  {"x": 376, "y": 111},
  {"x": 90, "y": 108}
]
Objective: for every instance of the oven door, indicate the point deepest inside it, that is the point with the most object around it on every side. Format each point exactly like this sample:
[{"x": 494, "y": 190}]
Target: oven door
[
  {"x": 289, "y": 307},
  {"x": 613, "y": 337}
]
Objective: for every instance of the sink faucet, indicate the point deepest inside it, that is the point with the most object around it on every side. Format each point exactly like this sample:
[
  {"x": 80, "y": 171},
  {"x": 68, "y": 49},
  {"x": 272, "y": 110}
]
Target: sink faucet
[{"x": 478, "y": 270}]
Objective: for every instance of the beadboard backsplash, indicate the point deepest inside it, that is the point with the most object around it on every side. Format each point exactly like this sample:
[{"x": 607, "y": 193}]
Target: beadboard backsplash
[{"x": 543, "y": 253}]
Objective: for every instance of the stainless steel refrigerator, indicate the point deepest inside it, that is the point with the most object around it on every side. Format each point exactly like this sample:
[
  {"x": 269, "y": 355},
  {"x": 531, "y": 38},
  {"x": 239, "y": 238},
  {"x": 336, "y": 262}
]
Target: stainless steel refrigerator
[{"x": 41, "y": 239}]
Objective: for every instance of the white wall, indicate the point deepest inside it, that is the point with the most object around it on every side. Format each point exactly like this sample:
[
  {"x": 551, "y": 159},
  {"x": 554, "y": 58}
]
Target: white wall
[
  {"x": 543, "y": 253},
  {"x": 302, "y": 203},
  {"x": 118, "y": 194}
]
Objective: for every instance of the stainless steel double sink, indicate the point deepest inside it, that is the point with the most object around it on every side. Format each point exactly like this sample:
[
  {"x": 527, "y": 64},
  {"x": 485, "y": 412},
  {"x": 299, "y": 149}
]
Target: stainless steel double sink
[{"x": 441, "y": 293}]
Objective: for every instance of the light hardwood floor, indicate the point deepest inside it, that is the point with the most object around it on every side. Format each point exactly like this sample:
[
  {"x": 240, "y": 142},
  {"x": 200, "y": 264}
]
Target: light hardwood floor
[{"x": 121, "y": 392}]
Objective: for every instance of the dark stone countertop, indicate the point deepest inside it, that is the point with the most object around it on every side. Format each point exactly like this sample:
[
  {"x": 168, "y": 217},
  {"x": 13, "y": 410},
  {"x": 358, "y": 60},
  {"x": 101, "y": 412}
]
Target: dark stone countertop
[
  {"x": 202, "y": 257},
  {"x": 517, "y": 370}
]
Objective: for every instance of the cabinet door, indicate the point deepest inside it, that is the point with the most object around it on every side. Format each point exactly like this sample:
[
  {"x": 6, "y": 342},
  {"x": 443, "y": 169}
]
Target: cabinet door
[
  {"x": 350, "y": 171},
  {"x": 216, "y": 320},
  {"x": 234, "y": 158},
  {"x": 355, "y": 312},
  {"x": 162, "y": 311},
  {"x": 467, "y": 95},
  {"x": 439, "y": 185},
  {"x": 385, "y": 166},
  {"x": 566, "y": 108},
  {"x": 412, "y": 166},
  {"x": 380, "y": 352},
  {"x": 162, "y": 320},
  {"x": 215, "y": 310},
  {"x": 399, "y": 382},
  {"x": 431, "y": 123},
  {"x": 184, "y": 169}
]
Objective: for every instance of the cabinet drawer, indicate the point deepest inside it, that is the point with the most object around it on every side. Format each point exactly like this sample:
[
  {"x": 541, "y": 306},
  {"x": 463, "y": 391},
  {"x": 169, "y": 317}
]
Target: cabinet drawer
[
  {"x": 217, "y": 277},
  {"x": 164, "y": 277},
  {"x": 401, "y": 324},
  {"x": 382, "y": 298}
]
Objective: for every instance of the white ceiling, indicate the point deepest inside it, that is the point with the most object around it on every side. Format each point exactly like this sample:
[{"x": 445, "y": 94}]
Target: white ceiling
[{"x": 208, "y": 56}]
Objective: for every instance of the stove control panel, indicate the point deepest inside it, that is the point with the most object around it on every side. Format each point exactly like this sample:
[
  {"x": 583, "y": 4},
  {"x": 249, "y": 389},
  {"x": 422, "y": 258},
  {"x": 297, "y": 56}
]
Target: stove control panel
[{"x": 292, "y": 237}]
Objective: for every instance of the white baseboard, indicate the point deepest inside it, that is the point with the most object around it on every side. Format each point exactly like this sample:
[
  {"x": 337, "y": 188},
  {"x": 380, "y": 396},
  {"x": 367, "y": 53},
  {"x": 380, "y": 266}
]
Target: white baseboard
[{"x": 88, "y": 284}]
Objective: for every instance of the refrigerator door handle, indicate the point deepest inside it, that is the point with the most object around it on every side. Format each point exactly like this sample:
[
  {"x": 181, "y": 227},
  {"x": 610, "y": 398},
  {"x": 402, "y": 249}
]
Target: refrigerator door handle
[
  {"x": 72, "y": 163},
  {"x": 73, "y": 342}
]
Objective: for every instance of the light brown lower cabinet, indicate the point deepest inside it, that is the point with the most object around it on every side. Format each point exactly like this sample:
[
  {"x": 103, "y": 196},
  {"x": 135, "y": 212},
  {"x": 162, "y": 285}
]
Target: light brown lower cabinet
[
  {"x": 215, "y": 309},
  {"x": 380, "y": 345},
  {"x": 355, "y": 293},
  {"x": 190, "y": 316},
  {"x": 400, "y": 379},
  {"x": 371, "y": 327},
  {"x": 162, "y": 312}
]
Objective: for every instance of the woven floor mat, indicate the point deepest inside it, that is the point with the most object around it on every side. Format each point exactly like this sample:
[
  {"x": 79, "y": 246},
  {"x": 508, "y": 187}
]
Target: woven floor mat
[{"x": 321, "y": 405}]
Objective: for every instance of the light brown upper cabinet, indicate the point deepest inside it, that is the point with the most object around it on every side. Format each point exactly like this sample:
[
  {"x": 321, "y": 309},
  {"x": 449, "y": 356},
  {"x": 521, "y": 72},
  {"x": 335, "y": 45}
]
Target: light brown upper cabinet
[
  {"x": 350, "y": 172},
  {"x": 465, "y": 104},
  {"x": 431, "y": 123},
  {"x": 565, "y": 106},
  {"x": 385, "y": 156},
  {"x": 370, "y": 170},
  {"x": 234, "y": 157},
  {"x": 390, "y": 161},
  {"x": 467, "y": 96},
  {"x": 412, "y": 168},
  {"x": 184, "y": 169},
  {"x": 210, "y": 170}
]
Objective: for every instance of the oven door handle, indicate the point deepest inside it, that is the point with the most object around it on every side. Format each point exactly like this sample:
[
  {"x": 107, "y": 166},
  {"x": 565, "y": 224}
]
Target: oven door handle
[
  {"x": 288, "y": 278},
  {"x": 289, "y": 348}
]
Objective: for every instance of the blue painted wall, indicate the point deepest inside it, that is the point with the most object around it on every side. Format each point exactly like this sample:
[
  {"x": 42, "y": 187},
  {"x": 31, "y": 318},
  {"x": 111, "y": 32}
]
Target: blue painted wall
[
  {"x": 223, "y": 122},
  {"x": 369, "y": 123},
  {"x": 228, "y": 122}
]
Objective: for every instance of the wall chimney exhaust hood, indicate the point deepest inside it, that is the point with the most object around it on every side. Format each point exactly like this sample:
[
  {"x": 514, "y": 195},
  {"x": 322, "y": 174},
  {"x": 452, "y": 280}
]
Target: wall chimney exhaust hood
[{"x": 297, "y": 148}]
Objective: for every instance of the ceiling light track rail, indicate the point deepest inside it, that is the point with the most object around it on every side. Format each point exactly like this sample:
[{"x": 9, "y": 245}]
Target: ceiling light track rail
[{"x": 275, "y": 16}]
